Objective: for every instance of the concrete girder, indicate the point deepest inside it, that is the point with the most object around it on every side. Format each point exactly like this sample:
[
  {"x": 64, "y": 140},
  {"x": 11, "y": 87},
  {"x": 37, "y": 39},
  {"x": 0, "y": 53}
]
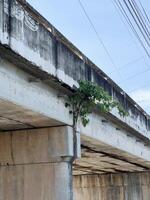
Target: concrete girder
[
  {"x": 35, "y": 104},
  {"x": 29, "y": 38}
]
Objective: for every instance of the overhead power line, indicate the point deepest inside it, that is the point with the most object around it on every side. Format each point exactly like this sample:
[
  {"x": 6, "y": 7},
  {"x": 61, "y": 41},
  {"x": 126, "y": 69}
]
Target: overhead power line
[
  {"x": 142, "y": 30},
  {"x": 126, "y": 22},
  {"x": 98, "y": 36},
  {"x": 129, "y": 63},
  {"x": 142, "y": 14},
  {"x": 144, "y": 11},
  {"x": 136, "y": 89},
  {"x": 134, "y": 76},
  {"x": 137, "y": 19},
  {"x": 129, "y": 19}
]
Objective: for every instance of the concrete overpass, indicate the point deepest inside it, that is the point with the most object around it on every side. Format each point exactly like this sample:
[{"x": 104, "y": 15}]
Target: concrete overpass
[{"x": 38, "y": 68}]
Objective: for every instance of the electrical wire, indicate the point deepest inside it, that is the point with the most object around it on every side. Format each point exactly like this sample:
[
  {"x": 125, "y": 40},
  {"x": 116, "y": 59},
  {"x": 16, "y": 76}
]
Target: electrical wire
[
  {"x": 132, "y": 12},
  {"x": 98, "y": 37},
  {"x": 139, "y": 21},
  {"x": 129, "y": 22},
  {"x": 129, "y": 63},
  {"x": 122, "y": 18},
  {"x": 136, "y": 89},
  {"x": 134, "y": 76},
  {"x": 139, "y": 16},
  {"x": 121, "y": 11},
  {"x": 144, "y": 12}
]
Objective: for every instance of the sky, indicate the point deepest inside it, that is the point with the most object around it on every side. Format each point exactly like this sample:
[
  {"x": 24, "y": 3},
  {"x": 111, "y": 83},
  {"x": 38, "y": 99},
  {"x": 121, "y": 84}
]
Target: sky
[{"x": 131, "y": 66}]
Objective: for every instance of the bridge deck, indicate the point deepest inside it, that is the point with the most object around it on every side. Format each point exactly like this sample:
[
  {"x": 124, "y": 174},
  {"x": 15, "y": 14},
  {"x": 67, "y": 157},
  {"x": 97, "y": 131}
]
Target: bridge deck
[{"x": 37, "y": 66}]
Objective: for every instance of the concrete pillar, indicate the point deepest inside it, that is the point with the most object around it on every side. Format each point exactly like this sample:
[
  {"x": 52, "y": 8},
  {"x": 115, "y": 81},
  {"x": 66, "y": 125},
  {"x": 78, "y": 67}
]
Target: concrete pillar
[
  {"x": 123, "y": 186},
  {"x": 36, "y": 164}
]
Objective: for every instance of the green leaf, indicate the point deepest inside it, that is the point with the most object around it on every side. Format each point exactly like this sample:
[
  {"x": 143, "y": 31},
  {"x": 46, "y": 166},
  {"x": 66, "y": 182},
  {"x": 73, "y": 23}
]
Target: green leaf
[{"x": 86, "y": 97}]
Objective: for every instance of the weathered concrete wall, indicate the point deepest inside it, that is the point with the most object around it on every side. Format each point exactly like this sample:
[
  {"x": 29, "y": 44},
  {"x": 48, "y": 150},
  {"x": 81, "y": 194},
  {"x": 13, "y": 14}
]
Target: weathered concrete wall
[
  {"x": 36, "y": 104},
  {"x": 44, "y": 51},
  {"x": 131, "y": 186},
  {"x": 51, "y": 181},
  {"x": 36, "y": 164},
  {"x": 34, "y": 97},
  {"x": 42, "y": 145}
]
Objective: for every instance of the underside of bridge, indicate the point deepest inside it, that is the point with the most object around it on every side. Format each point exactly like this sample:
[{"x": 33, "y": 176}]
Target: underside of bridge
[
  {"x": 13, "y": 117},
  {"x": 95, "y": 158},
  {"x": 97, "y": 174},
  {"x": 96, "y": 161},
  {"x": 39, "y": 68}
]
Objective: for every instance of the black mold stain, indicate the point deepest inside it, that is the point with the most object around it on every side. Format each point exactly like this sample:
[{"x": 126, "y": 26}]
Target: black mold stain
[{"x": 40, "y": 37}]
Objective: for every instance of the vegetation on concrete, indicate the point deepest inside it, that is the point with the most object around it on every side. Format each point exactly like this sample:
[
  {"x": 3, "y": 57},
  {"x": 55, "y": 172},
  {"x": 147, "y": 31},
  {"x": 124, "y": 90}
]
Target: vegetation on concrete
[{"x": 86, "y": 98}]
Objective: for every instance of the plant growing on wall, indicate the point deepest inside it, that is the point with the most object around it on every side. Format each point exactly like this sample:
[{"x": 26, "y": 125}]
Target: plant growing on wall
[{"x": 86, "y": 97}]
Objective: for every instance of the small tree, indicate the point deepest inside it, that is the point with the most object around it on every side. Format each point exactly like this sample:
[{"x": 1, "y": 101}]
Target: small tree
[{"x": 84, "y": 100}]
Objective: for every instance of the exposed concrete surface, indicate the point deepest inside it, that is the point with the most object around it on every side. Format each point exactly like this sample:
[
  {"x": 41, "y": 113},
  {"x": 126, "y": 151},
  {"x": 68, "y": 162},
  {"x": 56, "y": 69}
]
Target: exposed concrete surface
[
  {"x": 107, "y": 135},
  {"x": 38, "y": 43},
  {"x": 38, "y": 68},
  {"x": 36, "y": 164},
  {"x": 103, "y": 159},
  {"x": 29, "y": 96},
  {"x": 43, "y": 145},
  {"x": 36, "y": 104},
  {"x": 127, "y": 186},
  {"x": 51, "y": 181}
]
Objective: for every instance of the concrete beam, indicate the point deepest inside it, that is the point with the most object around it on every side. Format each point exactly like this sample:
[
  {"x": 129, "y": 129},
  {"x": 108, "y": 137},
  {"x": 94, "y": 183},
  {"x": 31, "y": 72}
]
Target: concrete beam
[
  {"x": 104, "y": 136},
  {"x": 39, "y": 48},
  {"x": 37, "y": 97},
  {"x": 43, "y": 100}
]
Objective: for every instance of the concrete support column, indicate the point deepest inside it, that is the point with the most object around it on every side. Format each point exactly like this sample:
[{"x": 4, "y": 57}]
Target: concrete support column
[{"x": 36, "y": 164}]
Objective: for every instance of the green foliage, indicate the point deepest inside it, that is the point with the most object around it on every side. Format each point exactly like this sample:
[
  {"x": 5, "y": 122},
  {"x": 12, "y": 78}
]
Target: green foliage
[{"x": 86, "y": 97}]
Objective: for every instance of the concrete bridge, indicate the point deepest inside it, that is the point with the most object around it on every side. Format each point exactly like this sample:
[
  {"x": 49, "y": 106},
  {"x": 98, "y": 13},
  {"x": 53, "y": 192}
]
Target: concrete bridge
[{"x": 38, "y": 68}]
